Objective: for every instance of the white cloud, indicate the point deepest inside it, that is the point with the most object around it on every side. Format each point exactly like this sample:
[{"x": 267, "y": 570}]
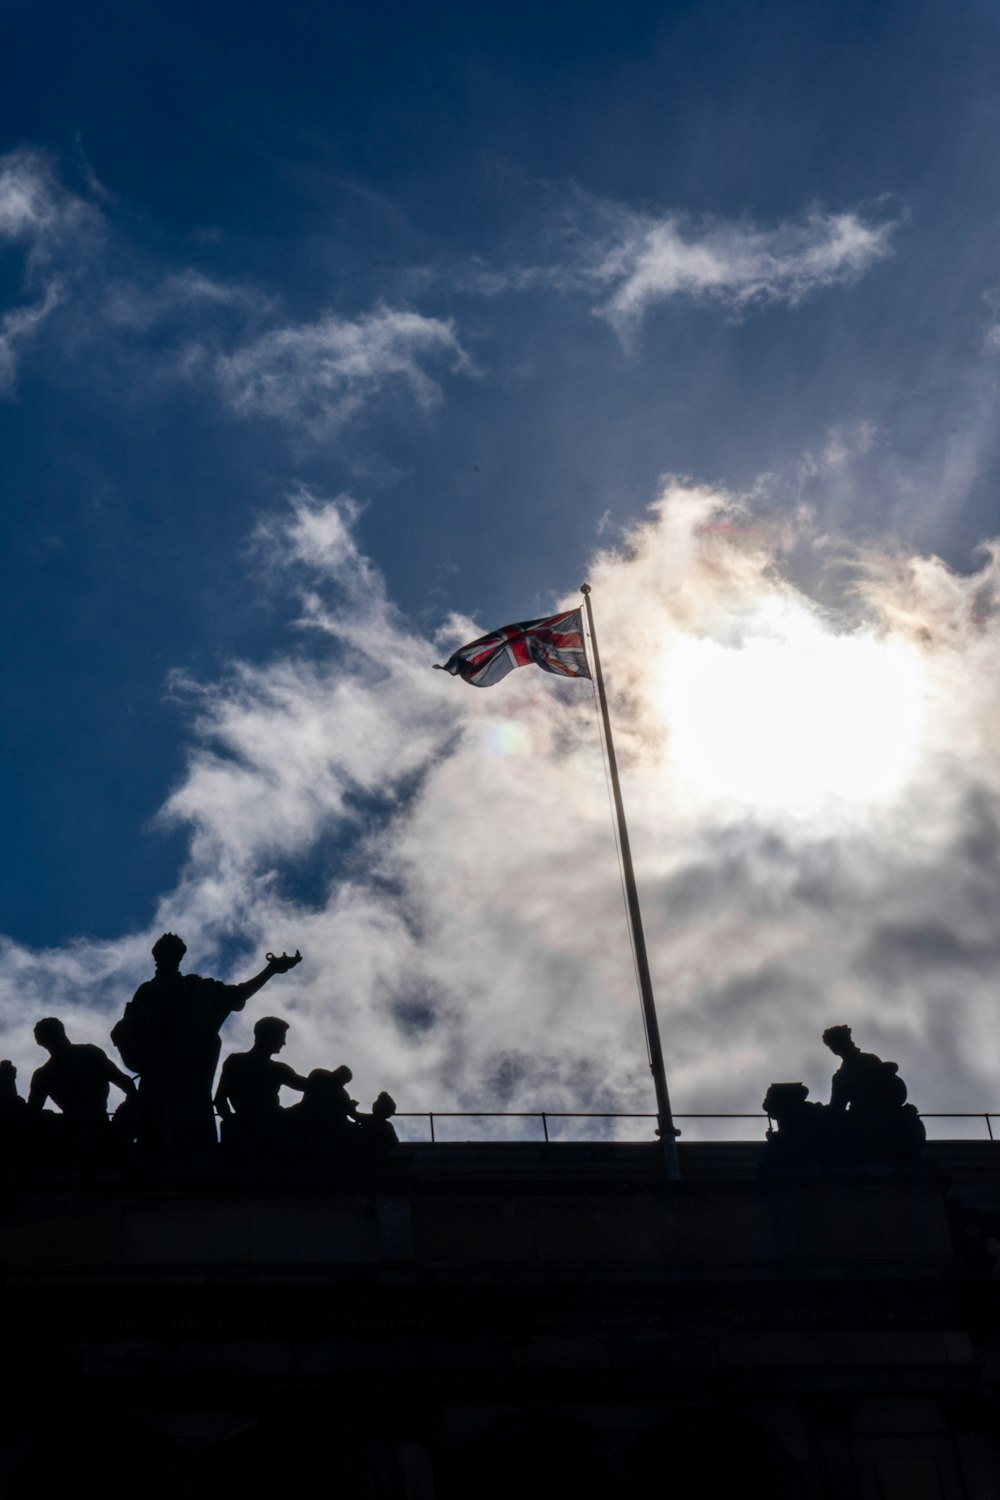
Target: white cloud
[
  {"x": 463, "y": 934},
  {"x": 313, "y": 376},
  {"x": 72, "y": 260},
  {"x": 35, "y": 208},
  {"x": 319, "y": 375},
  {"x": 735, "y": 264},
  {"x": 628, "y": 262}
]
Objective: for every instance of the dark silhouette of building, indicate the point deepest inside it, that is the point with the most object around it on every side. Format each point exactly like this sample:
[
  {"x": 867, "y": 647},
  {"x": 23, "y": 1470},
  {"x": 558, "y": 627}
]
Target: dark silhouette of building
[{"x": 519, "y": 1320}]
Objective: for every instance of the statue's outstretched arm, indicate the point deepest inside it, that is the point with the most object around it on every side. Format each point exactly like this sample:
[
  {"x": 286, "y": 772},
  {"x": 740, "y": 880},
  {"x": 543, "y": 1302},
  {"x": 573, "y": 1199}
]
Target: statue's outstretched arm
[{"x": 276, "y": 964}]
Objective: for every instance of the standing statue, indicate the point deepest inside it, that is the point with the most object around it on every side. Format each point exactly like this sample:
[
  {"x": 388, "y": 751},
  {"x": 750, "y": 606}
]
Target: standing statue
[{"x": 169, "y": 1035}]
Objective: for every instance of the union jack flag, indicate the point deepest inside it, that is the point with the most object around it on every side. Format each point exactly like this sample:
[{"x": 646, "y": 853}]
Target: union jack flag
[{"x": 555, "y": 645}]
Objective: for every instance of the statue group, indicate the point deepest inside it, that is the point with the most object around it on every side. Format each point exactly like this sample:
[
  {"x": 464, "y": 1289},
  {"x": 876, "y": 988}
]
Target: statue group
[
  {"x": 169, "y": 1036},
  {"x": 867, "y": 1125},
  {"x": 169, "y": 1040}
]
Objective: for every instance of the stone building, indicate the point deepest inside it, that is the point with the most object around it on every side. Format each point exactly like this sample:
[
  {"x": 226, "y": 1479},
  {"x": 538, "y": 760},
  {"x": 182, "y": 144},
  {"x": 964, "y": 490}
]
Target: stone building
[{"x": 522, "y": 1320}]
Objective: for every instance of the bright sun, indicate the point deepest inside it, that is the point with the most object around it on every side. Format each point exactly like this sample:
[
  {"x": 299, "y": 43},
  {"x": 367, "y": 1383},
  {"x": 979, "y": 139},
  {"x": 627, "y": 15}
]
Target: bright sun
[{"x": 788, "y": 715}]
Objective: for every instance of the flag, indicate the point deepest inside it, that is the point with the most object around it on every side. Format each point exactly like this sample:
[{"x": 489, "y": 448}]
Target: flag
[{"x": 555, "y": 645}]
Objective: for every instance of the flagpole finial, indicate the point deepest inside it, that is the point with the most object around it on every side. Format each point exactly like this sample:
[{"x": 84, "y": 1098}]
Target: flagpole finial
[{"x": 585, "y": 588}]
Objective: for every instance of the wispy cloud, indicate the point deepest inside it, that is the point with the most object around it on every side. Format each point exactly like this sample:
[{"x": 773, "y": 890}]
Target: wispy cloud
[
  {"x": 991, "y": 320},
  {"x": 734, "y": 264},
  {"x": 625, "y": 262},
  {"x": 141, "y": 304},
  {"x": 814, "y": 794},
  {"x": 319, "y": 375},
  {"x": 56, "y": 229},
  {"x": 35, "y": 208},
  {"x": 313, "y": 376},
  {"x": 17, "y": 327}
]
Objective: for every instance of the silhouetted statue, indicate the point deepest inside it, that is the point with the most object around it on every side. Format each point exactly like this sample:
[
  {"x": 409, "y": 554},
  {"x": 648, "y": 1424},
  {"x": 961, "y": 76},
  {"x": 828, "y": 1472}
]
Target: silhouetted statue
[
  {"x": 863, "y": 1081},
  {"x": 13, "y": 1115},
  {"x": 324, "y": 1123},
  {"x": 378, "y": 1135},
  {"x": 867, "y": 1124},
  {"x": 798, "y": 1145},
  {"x": 878, "y": 1127},
  {"x": 169, "y": 1035},
  {"x": 77, "y": 1078},
  {"x": 11, "y": 1103},
  {"x": 248, "y": 1095}
]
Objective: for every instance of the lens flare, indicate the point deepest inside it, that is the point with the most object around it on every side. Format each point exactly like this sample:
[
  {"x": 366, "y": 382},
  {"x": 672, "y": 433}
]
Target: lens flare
[
  {"x": 505, "y": 737},
  {"x": 786, "y": 714}
]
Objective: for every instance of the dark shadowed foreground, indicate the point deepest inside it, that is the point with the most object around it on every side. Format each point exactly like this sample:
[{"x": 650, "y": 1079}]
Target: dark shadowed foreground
[{"x": 510, "y": 1319}]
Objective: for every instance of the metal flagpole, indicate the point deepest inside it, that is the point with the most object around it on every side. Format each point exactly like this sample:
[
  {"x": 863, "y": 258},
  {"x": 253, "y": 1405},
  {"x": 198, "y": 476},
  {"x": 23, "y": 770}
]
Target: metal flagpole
[{"x": 668, "y": 1134}]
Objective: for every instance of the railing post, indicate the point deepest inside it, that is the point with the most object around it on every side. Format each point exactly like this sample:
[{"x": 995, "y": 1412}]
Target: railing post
[
  {"x": 545, "y": 1127},
  {"x": 430, "y": 1117},
  {"x": 989, "y": 1127}
]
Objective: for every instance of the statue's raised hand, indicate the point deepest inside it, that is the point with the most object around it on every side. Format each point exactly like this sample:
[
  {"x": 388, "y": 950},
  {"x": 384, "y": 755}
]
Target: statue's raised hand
[{"x": 281, "y": 963}]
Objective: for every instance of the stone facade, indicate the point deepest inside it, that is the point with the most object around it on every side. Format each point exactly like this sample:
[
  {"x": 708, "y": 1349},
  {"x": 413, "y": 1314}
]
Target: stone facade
[{"x": 502, "y": 1319}]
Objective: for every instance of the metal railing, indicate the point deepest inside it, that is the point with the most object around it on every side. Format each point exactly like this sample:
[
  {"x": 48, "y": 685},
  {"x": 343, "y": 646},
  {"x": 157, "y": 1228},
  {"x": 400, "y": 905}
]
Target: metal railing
[{"x": 546, "y": 1116}]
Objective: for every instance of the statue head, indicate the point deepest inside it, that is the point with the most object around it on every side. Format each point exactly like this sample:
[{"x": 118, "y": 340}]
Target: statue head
[
  {"x": 384, "y": 1106},
  {"x": 49, "y": 1032},
  {"x": 168, "y": 951},
  {"x": 270, "y": 1032},
  {"x": 342, "y": 1074},
  {"x": 838, "y": 1039}
]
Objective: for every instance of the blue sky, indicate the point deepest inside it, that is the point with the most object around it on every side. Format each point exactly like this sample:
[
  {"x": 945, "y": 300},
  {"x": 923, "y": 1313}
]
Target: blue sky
[{"x": 327, "y": 326}]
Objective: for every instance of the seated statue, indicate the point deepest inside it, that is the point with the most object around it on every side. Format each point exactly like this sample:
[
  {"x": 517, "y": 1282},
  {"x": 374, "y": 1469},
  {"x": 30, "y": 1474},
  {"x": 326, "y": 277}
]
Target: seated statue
[
  {"x": 378, "y": 1134},
  {"x": 13, "y": 1114},
  {"x": 77, "y": 1079},
  {"x": 877, "y": 1126},
  {"x": 867, "y": 1124},
  {"x": 250, "y": 1084},
  {"x": 863, "y": 1081},
  {"x": 324, "y": 1123},
  {"x": 798, "y": 1145},
  {"x": 11, "y": 1103}
]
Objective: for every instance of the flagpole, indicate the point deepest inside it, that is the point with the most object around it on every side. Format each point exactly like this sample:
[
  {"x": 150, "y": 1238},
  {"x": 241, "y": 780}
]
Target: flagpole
[{"x": 668, "y": 1135}]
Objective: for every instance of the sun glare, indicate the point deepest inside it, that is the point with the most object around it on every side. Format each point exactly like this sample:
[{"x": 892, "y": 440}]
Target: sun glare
[{"x": 789, "y": 715}]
